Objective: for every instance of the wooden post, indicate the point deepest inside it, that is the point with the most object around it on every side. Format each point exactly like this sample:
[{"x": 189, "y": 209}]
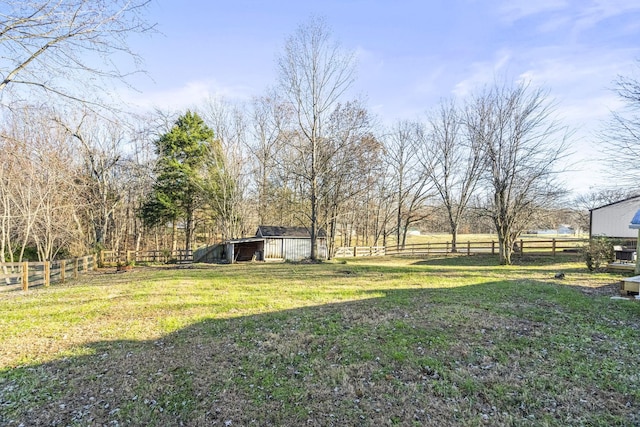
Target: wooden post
[
  {"x": 468, "y": 248},
  {"x": 446, "y": 250},
  {"x": 63, "y": 267},
  {"x": 25, "y": 276},
  {"x": 85, "y": 264},
  {"x": 521, "y": 247},
  {"x": 102, "y": 258},
  {"x": 637, "y": 270},
  {"x": 47, "y": 274},
  {"x": 428, "y": 248},
  {"x": 355, "y": 251},
  {"x": 493, "y": 247},
  {"x": 553, "y": 247},
  {"x": 75, "y": 268}
]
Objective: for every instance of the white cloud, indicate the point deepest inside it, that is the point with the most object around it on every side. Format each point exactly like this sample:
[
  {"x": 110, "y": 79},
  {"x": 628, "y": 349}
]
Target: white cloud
[
  {"x": 513, "y": 10},
  {"x": 599, "y": 10},
  {"x": 188, "y": 95},
  {"x": 483, "y": 73}
]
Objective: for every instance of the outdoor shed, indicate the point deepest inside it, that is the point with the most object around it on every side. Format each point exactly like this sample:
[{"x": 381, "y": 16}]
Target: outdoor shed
[
  {"x": 273, "y": 243},
  {"x": 613, "y": 220}
]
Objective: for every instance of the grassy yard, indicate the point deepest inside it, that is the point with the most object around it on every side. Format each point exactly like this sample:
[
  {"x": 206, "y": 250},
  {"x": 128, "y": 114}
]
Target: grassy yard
[{"x": 452, "y": 341}]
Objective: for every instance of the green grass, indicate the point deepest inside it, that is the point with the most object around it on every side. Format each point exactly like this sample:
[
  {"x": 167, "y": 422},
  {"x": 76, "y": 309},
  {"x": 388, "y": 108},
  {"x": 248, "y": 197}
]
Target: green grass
[{"x": 388, "y": 341}]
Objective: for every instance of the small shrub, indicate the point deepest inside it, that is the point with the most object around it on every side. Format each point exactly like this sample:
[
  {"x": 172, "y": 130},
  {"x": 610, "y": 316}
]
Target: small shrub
[{"x": 598, "y": 253}]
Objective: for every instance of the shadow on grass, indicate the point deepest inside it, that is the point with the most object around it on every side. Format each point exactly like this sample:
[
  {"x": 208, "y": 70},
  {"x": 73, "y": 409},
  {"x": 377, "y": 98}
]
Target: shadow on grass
[{"x": 493, "y": 353}]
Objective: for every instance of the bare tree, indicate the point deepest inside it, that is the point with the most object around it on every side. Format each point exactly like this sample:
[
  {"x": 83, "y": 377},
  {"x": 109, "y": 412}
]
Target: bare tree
[
  {"x": 522, "y": 146},
  {"x": 227, "y": 168},
  {"x": 411, "y": 184},
  {"x": 621, "y": 134},
  {"x": 268, "y": 117},
  {"x": 37, "y": 186},
  {"x": 314, "y": 74},
  {"x": 66, "y": 48},
  {"x": 453, "y": 163},
  {"x": 351, "y": 156},
  {"x": 100, "y": 145}
]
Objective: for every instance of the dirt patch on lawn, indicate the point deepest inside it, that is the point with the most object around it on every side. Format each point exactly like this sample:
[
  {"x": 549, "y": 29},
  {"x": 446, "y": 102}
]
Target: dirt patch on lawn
[{"x": 601, "y": 290}]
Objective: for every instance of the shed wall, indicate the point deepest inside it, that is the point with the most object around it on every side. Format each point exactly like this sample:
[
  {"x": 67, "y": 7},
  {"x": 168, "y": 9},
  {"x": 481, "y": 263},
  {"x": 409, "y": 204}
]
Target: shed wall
[
  {"x": 614, "y": 220},
  {"x": 292, "y": 249}
]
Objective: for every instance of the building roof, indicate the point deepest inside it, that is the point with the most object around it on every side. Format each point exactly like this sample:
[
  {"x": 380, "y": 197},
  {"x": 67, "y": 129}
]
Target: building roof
[
  {"x": 246, "y": 240},
  {"x": 277, "y": 231},
  {"x": 615, "y": 203}
]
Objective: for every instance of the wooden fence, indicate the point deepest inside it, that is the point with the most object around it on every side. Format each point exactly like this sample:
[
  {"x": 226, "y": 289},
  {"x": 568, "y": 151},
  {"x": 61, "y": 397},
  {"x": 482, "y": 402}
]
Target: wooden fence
[
  {"x": 358, "y": 251},
  {"x": 522, "y": 247},
  {"x": 29, "y": 274},
  {"x": 113, "y": 257}
]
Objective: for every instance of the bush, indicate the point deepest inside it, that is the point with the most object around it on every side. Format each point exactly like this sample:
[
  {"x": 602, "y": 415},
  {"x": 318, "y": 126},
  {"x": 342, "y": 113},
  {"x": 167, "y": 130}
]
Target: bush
[{"x": 598, "y": 253}]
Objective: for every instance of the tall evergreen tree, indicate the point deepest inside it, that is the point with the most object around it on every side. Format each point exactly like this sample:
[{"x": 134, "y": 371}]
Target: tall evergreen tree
[{"x": 178, "y": 190}]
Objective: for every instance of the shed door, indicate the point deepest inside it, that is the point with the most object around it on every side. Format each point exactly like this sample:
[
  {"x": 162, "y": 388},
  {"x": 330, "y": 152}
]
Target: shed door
[{"x": 273, "y": 248}]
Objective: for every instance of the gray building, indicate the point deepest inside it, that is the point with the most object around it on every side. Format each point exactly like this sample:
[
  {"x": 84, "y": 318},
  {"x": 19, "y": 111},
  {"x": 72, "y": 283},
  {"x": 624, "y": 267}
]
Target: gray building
[
  {"x": 273, "y": 243},
  {"x": 613, "y": 220}
]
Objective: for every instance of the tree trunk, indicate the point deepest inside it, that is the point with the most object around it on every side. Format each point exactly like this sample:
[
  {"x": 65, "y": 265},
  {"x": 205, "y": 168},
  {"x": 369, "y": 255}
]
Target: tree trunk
[
  {"x": 187, "y": 233},
  {"x": 314, "y": 201},
  {"x": 454, "y": 237},
  {"x": 174, "y": 237}
]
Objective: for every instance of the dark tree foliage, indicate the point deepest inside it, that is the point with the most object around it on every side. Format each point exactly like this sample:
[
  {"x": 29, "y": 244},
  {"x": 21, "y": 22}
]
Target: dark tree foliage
[{"x": 179, "y": 187}]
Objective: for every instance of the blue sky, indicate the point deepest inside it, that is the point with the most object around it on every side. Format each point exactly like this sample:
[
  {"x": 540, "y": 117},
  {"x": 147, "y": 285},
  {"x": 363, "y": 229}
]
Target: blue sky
[{"x": 410, "y": 54}]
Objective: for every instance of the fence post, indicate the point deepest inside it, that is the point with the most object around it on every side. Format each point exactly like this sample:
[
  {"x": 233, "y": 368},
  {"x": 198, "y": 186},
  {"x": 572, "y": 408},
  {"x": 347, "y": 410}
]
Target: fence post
[
  {"x": 493, "y": 247},
  {"x": 85, "y": 264},
  {"x": 553, "y": 247},
  {"x": 521, "y": 247},
  {"x": 102, "y": 258},
  {"x": 47, "y": 274},
  {"x": 446, "y": 250},
  {"x": 75, "y": 268},
  {"x": 25, "y": 276},
  {"x": 63, "y": 266},
  {"x": 468, "y": 248}
]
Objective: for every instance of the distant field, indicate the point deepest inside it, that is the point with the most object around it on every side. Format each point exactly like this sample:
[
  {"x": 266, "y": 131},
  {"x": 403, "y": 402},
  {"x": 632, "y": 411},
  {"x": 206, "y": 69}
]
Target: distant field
[{"x": 377, "y": 341}]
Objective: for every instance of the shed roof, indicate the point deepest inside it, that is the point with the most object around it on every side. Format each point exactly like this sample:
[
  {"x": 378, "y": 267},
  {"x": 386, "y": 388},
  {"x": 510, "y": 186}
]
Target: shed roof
[
  {"x": 615, "y": 203},
  {"x": 246, "y": 240},
  {"x": 277, "y": 231}
]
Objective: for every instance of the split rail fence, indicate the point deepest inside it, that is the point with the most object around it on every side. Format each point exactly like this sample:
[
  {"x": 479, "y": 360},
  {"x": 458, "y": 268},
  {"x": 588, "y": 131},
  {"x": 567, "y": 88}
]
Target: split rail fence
[
  {"x": 114, "y": 257},
  {"x": 29, "y": 274},
  {"x": 522, "y": 247}
]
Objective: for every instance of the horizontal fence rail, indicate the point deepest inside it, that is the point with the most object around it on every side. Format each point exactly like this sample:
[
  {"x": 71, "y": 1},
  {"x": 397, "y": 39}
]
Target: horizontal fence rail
[
  {"x": 521, "y": 247},
  {"x": 358, "y": 251},
  {"x": 114, "y": 257},
  {"x": 29, "y": 274}
]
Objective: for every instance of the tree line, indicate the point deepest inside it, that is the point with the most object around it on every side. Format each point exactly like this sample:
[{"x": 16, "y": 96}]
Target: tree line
[{"x": 81, "y": 175}]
